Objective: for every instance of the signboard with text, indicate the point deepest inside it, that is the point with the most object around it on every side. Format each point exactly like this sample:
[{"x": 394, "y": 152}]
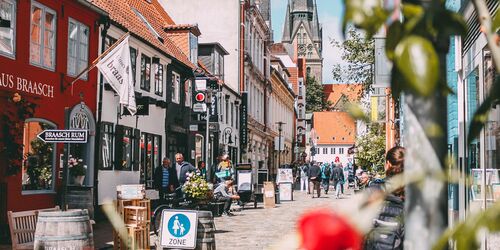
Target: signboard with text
[
  {"x": 178, "y": 229},
  {"x": 64, "y": 136},
  {"x": 244, "y": 119}
]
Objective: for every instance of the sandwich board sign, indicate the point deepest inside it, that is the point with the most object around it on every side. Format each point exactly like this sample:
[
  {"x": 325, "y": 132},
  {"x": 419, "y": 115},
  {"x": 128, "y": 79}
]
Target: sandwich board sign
[{"x": 178, "y": 229}]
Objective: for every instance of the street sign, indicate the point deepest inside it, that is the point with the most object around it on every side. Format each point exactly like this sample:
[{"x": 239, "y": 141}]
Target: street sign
[
  {"x": 178, "y": 229},
  {"x": 193, "y": 127},
  {"x": 63, "y": 136},
  {"x": 199, "y": 107}
]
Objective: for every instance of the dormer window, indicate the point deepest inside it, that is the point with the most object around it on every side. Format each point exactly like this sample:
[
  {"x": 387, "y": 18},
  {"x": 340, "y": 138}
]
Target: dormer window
[
  {"x": 143, "y": 19},
  {"x": 193, "y": 48}
]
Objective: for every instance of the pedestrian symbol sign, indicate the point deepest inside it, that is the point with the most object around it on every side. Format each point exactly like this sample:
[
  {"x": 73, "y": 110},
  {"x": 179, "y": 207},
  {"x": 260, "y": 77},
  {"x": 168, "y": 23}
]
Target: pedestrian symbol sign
[{"x": 178, "y": 229}]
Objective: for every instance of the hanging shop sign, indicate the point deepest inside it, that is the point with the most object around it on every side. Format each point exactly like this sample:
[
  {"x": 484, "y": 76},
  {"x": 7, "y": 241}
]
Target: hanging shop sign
[{"x": 244, "y": 119}]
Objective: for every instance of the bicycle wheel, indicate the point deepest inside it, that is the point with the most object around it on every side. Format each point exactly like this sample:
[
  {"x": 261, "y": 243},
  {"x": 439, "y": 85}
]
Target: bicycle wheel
[{"x": 156, "y": 218}]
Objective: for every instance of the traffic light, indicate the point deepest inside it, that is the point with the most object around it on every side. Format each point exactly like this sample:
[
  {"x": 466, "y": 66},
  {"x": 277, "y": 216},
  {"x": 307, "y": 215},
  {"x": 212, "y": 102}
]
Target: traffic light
[{"x": 199, "y": 97}]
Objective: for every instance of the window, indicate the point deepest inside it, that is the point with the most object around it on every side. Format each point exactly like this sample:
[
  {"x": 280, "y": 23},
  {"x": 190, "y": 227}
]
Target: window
[
  {"x": 158, "y": 69},
  {"x": 107, "y": 146},
  {"x": 332, "y": 151},
  {"x": 187, "y": 93},
  {"x": 42, "y": 36},
  {"x": 341, "y": 151},
  {"x": 145, "y": 73},
  {"x": 39, "y": 157},
  {"x": 7, "y": 27},
  {"x": 227, "y": 110},
  {"x": 216, "y": 63},
  {"x": 78, "y": 48},
  {"x": 133, "y": 61},
  {"x": 126, "y": 148},
  {"x": 232, "y": 114},
  {"x": 176, "y": 82},
  {"x": 150, "y": 157},
  {"x": 193, "y": 48},
  {"x": 325, "y": 151}
]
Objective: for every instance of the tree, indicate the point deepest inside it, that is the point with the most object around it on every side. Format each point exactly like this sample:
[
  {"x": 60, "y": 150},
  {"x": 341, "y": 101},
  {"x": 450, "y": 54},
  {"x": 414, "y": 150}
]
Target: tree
[
  {"x": 359, "y": 53},
  {"x": 315, "y": 97},
  {"x": 371, "y": 150}
]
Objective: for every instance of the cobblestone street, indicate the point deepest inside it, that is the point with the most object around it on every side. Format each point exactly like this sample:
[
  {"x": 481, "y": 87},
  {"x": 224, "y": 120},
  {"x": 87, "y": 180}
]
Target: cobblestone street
[{"x": 260, "y": 228}]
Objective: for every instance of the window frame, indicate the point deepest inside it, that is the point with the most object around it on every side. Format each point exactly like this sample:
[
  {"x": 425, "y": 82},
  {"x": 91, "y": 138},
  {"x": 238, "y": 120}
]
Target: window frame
[
  {"x": 143, "y": 157},
  {"x": 78, "y": 42},
  {"x": 159, "y": 70},
  {"x": 133, "y": 62},
  {"x": 54, "y": 162},
  {"x": 175, "y": 86},
  {"x": 188, "y": 92},
  {"x": 145, "y": 82},
  {"x": 193, "y": 48},
  {"x": 13, "y": 30},
  {"x": 119, "y": 153},
  {"x": 45, "y": 10},
  {"x": 111, "y": 132}
]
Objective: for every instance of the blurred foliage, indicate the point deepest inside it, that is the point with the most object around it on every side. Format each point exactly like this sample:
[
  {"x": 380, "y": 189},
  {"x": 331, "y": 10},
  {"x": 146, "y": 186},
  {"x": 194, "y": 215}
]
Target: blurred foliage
[
  {"x": 371, "y": 149},
  {"x": 359, "y": 53}
]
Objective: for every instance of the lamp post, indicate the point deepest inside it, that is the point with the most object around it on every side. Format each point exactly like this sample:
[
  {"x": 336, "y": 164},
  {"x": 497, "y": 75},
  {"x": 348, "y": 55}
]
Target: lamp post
[{"x": 280, "y": 128}]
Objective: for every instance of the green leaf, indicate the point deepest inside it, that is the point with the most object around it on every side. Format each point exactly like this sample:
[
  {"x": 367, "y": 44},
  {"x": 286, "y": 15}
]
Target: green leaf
[
  {"x": 394, "y": 36},
  {"x": 413, "y": 15},
  {"x": 481, "y": 115},
  {"x": 369, "y": 15},
  {"x": 496, "y": 22},
  {"x": 418, "y": 63},
  {"x": 357, "y": 112}
]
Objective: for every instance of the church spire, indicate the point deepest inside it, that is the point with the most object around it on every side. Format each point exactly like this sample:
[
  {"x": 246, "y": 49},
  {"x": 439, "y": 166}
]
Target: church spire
[{"x": 286, "y": 27}]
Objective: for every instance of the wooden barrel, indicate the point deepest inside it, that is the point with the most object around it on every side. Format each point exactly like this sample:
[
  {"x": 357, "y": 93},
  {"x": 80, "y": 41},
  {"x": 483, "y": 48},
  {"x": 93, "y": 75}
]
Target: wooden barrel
[
  {"x": 81, "y": 198},
  {"x": 205, "y": 236},
  {"x": 64, "y": 230}
]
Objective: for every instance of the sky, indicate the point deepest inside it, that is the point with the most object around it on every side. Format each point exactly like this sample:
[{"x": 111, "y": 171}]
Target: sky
[{"x": 330, "y": 16}]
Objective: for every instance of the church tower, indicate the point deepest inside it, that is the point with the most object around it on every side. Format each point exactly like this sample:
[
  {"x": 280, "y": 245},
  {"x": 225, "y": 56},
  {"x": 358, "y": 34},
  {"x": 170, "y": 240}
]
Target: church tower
[{"x": 302, "y": 35}]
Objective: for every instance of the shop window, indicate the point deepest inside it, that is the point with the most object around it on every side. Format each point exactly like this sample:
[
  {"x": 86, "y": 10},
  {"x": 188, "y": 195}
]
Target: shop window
[
  {"x": 107, "y": 146},
  {"x": 126, "y": 148},
  {"x": 78, "y": 48},
  {"x": 133, "y": 61},
  {"x": 150, "y": 157},
  {"x": 7, "y": 27},
  {"x": 42, "y": 36},
  {"x": 145, "y": 73},
  {"x": 187, "y": 93},
  {"x": 39, "y": 158},
  {"x": 176, "y": 82},
  {"x": 158, "y": 70}
]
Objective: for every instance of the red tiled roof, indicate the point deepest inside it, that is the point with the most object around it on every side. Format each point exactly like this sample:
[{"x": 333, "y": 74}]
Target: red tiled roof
[
  {"x": 278, "y": 48},
  {"x": 120, "y": 11},
  {"x": 333, "y": 92},
  {"x": 334, "y": 127},
  {"x": 163, "y": 13}
]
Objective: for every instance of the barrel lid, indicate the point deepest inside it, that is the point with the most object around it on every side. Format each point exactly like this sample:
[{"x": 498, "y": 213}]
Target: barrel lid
[{"x": 68, "y": 213}]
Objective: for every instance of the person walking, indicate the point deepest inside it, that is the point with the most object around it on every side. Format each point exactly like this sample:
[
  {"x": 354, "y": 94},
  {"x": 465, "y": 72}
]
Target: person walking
[
  {"x": 304, "y": 178},
  {"x": 326, "y": 172},
  {"x": 392, "y": 213},
  {"x": 315, "y": 177},
  {"x": 202, "y": 169},
  {"x": 165, "y": 178},
  {"x": 338, "y": 180},
  {"x": 182, "y": 168}
]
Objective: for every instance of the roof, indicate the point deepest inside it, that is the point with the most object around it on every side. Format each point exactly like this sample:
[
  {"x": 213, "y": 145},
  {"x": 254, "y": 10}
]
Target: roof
[
  {"x": 334, "y": 92},
  {"x": 121, "y": 12},
  {"x": 287, "y": 61},
  {"x": 179, "y": 27},
  {"x": 334, "y": 128},
  {"x": 216, "y": 45}
]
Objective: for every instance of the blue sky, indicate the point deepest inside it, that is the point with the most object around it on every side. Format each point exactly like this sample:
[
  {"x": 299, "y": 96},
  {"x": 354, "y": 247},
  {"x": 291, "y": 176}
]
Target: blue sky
[{"x": 330, "y": 15}]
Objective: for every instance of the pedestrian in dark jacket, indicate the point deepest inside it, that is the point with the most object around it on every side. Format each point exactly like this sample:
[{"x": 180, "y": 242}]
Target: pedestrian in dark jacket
[
  {"x": 165, "y": 178},
  {"x": 315, "y": 177},
  {"x": 338, "y": 180}
]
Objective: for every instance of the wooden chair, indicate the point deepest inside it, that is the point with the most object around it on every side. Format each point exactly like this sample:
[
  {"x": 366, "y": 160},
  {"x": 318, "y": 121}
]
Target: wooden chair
[{"x": 22, "y": 227}]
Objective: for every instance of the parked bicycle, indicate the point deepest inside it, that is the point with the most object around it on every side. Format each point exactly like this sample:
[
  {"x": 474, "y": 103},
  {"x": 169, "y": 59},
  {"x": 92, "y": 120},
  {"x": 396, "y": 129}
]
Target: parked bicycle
[{"x": 175, "y": 200}]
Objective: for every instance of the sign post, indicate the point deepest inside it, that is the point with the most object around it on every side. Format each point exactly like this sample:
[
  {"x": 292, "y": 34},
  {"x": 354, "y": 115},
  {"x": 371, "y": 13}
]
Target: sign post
[
  {"x": 64, "y": 136},
  {"x": 178, "y": 229}
]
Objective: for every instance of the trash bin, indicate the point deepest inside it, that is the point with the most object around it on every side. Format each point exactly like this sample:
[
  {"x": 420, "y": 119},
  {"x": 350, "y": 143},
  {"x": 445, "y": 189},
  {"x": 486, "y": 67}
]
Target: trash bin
[{"x": 277, "y": 195}]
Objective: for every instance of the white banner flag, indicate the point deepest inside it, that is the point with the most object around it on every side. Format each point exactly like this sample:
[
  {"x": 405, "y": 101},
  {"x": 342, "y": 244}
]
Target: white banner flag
[{"x": 116, "y": 69}]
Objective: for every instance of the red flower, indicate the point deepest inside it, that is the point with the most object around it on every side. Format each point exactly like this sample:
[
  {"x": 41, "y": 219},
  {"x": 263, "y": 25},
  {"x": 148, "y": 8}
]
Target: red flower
[{"x": 326, "y": 230}]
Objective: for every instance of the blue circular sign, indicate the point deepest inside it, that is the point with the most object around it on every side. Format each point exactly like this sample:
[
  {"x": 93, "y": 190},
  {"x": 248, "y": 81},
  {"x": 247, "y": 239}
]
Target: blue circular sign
[{"x": 179, "y": 225}]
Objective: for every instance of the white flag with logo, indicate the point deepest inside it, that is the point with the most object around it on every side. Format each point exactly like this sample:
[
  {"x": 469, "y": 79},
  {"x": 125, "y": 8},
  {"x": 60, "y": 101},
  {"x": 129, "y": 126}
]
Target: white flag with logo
[{"x": 116, "y": 69}]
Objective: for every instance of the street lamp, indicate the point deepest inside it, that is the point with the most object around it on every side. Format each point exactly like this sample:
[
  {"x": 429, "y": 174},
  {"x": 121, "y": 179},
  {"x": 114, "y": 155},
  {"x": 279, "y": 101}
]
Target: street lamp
[{"x": 280, "y": 128}]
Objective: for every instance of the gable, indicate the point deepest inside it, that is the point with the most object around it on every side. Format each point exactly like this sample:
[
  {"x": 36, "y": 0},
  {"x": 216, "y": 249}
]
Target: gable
[{"x": 302, "y": 36}]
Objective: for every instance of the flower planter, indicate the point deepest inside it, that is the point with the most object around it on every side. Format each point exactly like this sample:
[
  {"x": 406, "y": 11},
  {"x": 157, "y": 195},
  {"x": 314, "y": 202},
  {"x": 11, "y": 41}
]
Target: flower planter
[{"x": 78, "y": 180}]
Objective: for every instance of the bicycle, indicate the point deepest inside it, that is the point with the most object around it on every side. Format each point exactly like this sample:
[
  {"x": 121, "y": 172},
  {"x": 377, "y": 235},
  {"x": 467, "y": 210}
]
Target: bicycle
[{"x": 173, "y": 200}]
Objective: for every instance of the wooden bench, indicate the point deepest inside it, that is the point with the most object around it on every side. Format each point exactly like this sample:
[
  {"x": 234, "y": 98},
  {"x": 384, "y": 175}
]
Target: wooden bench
[{"x": 22, "y": 227}]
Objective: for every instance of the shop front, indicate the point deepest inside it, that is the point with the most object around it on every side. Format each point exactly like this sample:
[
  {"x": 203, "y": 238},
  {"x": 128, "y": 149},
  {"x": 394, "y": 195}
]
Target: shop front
[{"x": 36, "y": 94}]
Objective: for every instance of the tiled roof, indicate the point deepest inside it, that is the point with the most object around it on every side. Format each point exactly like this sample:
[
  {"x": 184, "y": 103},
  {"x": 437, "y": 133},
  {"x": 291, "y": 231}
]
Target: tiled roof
[
  {"x": 334, "y": 127},
  {"x": 120, "y": 11},
  {"x": 193, "y": 28},
  {"x": 334, "y": 92}
]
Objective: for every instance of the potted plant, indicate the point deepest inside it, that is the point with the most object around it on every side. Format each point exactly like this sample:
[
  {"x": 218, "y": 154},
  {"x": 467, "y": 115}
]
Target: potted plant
[
  {"x": 197, "y": 188},
  {"x": 77, "y": 170}
]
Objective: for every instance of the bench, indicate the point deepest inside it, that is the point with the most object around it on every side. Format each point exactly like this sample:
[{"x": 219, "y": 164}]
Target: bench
[
  {"x": 216, "y": 207},
  {"x": 22, "y": 227}
]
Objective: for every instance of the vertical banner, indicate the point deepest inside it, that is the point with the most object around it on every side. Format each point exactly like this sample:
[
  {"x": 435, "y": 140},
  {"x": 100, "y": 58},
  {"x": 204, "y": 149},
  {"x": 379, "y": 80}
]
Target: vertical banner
[{"x": 244, "y": 119}]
